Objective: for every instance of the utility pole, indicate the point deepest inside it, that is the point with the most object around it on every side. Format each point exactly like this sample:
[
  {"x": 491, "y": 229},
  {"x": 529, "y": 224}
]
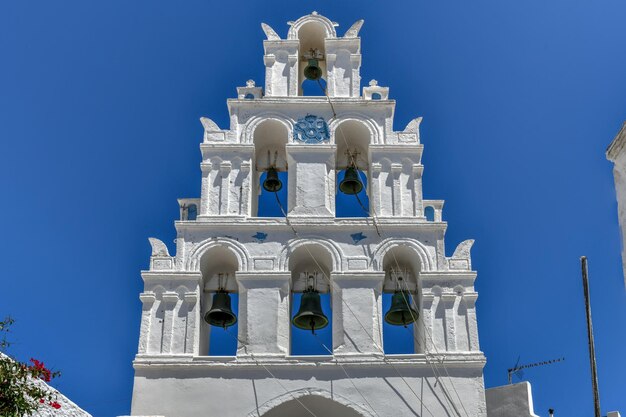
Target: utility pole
[{"x": 592, "y": 349}]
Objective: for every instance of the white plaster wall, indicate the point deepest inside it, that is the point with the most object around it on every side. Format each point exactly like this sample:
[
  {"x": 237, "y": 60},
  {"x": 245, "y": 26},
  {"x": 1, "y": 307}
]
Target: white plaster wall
[
  {"x": 619, "y": 175},
  {"x": 248, "y": 390},
  {"x": 510, "y": 400},
  {"x": 617, "y": 154},
  {"x": 173, "y": 375}
]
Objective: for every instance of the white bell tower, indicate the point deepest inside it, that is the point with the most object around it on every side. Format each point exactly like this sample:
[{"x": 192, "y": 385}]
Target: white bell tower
[{"x": 315, "y": 148}]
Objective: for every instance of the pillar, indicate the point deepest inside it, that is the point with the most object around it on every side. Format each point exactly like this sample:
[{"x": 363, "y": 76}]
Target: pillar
[{"x": 357, "y": 312}]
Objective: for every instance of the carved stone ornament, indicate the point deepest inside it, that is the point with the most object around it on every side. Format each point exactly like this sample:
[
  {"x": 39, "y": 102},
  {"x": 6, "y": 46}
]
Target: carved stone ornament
[{"x": 311, "y": 129}]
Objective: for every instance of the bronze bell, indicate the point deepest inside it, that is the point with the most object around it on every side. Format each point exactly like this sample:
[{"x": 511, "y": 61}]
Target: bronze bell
[
  {"x": 313, "y": 70},
  {"x": 220, "y": 314},
  {"x": 310, "y": 316},
  {"x": 351, "y": 183},
  {"x": 272, "y": 183},
  {"x": 400, "y": 313}
]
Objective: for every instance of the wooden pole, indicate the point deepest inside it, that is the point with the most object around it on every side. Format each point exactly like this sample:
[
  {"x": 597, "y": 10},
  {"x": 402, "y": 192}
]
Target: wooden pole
[{"x": 592, "y": 349}]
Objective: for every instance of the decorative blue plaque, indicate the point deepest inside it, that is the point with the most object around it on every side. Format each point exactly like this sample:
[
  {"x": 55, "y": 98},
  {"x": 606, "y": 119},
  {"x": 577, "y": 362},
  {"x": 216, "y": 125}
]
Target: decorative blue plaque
[{"x": 311, "y": 129}]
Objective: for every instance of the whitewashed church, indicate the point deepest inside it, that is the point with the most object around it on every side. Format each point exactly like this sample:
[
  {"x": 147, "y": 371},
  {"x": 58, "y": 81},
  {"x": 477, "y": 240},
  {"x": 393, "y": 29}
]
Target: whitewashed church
[{"x": 235, "y": 268}]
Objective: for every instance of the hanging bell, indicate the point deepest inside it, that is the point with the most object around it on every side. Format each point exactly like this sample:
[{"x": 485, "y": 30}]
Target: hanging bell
[
  {"x": 351, "y": 183},
  {"x": 220, "y": 314},
  {"x": 272, "y": 183},
  {"x": 313, "y": 71},
  {"x": 400, "y": 313},
  {"x": 310, "y": 316}
]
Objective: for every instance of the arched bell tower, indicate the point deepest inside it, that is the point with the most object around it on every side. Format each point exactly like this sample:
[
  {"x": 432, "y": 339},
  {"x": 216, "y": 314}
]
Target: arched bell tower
[{"x": 265, "y": 281}]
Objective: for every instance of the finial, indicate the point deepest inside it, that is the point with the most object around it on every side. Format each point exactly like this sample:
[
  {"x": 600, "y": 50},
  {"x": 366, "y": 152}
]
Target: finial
[
  {"x": 314, "y": 13},
  {"x": 373, "y": 83},
  {"x": 250, "y": 83}
]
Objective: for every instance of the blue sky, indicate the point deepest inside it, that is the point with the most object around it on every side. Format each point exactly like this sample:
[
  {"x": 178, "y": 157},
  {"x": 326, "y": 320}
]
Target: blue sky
[{"x": 99, "y": 108}]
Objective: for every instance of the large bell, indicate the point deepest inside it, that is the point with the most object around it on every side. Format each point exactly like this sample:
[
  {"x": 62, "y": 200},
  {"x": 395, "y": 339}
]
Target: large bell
[
  {"x": 313, "y": 70},
  {"x": 220, "y": 314},
  {"x": 310, "y": 316},
  {"x": 400, "y": 313},
  {"x": 351, "y": 183},
  {"x": 272, "y": 183}
]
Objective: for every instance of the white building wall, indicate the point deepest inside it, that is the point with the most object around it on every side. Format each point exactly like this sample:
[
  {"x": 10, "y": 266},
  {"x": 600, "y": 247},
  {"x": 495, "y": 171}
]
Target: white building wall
[
  {"x": 617, "y": 154},
  {"x": 174, "y": 377}
]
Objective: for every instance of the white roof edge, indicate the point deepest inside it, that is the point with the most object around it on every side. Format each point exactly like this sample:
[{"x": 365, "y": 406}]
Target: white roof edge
[{"x": 617, "y": 145}]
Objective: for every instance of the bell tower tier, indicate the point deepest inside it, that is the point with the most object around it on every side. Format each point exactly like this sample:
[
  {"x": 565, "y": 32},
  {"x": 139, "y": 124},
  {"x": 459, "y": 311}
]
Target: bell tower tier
[{"x": 352, "y": 249}]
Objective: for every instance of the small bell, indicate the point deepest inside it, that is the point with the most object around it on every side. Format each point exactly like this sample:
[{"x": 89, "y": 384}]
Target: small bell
[
  {"x": 220, "y": 314},
  {"x": 272, "y": 183},
  {"x": 310, "y": 316},
  {"x": 313, "y": 71},
  {"x": 351, "y": 183},
  {"x": 400, "y": 313}
]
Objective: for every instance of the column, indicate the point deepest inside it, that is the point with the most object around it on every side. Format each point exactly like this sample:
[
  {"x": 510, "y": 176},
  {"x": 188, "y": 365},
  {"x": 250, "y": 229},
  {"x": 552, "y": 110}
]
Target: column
[
  {"x": 246, "y": 187},
  {"x": 427, "y": 318},
  {"x": 418, "y": 204},
  {"x": 264, "y": 315},
  {"x": 292, "y": 82},
  {"x": 375, "y": 187},
  {"x": 355, "y": 79},
  {"x": 169, "y": 300},
  {"x": 192, "y": 306},
  {"x": 311, "y": 180},
  {"x": 224, "y": 193},
  {"x": 396, "y": 170},
  {"x": 472, "y": 323},
  {"x": 205, "y": 188},
  {"x": 147, "y": 300},
  {"x": 450, "y": 331},
  {"x": 155, "y": 335},
  {"x": 357, "y": 313}
]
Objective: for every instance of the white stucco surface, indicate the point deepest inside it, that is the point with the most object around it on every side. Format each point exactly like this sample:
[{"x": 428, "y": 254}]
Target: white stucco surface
[
  {"x": 510, "y": 400},
  {"x": 617, "y": 154}
]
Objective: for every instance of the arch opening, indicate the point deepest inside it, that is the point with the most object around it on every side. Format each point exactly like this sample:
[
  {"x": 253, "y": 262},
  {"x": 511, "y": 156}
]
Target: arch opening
[
  {"x": 310, "y": 266},
  {"x": 270, "y": 138},
  {"x": 319, "y": 405},
  {"x": 218, "y": 266},
  {"x": 352, "y": 138},
  {"x": 402, "y": 322},
  {"x": 311, "y": 36}
]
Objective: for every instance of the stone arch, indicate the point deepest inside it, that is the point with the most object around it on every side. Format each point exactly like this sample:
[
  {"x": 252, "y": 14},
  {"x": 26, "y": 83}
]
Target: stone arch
[
  {"x": 296, "y": 395},
  {"x": 158, "y": 291},
  {"x": 181, "y": 290},
  {"x": 376, "y": 133},
  {"x": 239, "y": 250},
  {"x": 425, "y": 261},
  {"x": 254, "y": 122},
  {"x": 330, "y": 247},
  {"x": 315, "y": 18}
]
